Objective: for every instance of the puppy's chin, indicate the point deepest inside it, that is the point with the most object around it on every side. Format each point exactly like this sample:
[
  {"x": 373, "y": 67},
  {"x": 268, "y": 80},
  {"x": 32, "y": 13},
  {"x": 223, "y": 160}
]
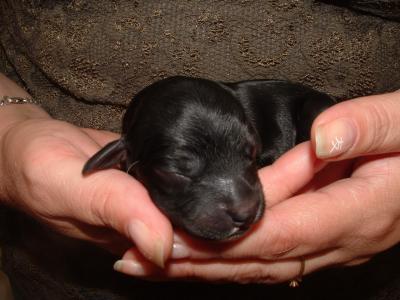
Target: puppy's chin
[{"x": 220, "y": 227}]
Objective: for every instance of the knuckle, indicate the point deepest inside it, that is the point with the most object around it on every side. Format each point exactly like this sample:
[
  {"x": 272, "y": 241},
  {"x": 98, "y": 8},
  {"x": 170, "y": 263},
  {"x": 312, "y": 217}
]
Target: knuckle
[
  {"x": 378, "y": 231},
  {"x": 253, "y": 273},
  {"x": 376, "y": 225},
  {"x": 373, "y": 233},
  {"x": 102, "y": 196},
  {"x": 241, "y": 273},
  {"x": 379, "y": 120},
  {"x": 281, "y": 242},
  {"x": 185, "y": 270},
  {"x": 98, "y": 195}
]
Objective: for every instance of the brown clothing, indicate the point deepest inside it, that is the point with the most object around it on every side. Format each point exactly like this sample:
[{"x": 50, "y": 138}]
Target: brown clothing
[{"x": 86, "y": 59}]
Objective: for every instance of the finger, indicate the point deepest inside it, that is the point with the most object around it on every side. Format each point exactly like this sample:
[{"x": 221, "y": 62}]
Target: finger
[
  {"x": 241, "y": 271},
  {"x": 347, "y": 212},
  {"x": 282, "y": 233},
  {"x": 313, "y": 222},
  {"x": 114, "y": 199},
  {"x": 332, "y": 172},
  {"x": 104, "y": 237},
  {"x": 281, "y": 179},
  {"x": 125, "y": 205},
  {"x": 51, "y": 166},
  {"x": 362, "y": 126}
]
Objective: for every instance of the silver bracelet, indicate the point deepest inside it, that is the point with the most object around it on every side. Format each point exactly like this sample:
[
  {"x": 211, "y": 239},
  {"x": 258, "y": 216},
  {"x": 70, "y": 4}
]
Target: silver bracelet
[{"x": 6, "y": 100}]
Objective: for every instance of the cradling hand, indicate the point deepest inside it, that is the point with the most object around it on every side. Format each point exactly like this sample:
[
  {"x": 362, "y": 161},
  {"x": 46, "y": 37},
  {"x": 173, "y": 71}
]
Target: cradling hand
[
  {"x": 343, "y": 215},
  {"x": 41, "y": 160}
]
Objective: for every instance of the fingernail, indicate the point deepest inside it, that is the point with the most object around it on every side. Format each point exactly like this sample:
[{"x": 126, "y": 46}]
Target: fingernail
[
  {"x": 151, "y": 248},
  {"x": 129, "y": 267},
  {"x": 179, "y": 251},
  {"x": 334, "y": 138}
]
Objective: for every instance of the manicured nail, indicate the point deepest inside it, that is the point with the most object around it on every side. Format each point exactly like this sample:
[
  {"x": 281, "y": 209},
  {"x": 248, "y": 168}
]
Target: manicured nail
[
  {"x": 129, "y": 267},
  {"x": 151, "y": 248},
  {"x": 334, "y": 138},
  {"x": 179, "y": 251}
]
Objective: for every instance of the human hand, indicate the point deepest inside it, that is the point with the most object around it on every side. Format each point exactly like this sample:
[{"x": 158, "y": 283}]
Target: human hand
[
  {"x": 41, "y": 160},
  {"x": 346, "y": 214}
]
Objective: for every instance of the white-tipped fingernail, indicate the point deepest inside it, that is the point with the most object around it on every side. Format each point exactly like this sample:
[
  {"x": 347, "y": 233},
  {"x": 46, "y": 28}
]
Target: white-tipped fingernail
[
  {"x": 150, "y": 245},
  {"x": 179, "y": 251},
  {"x": 334, "y": 138},
  {"x": 129, "y": 267}
]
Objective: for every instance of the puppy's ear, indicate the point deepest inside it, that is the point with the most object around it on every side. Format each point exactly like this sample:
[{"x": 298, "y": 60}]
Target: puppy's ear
[{"x": 110, "y": 155}]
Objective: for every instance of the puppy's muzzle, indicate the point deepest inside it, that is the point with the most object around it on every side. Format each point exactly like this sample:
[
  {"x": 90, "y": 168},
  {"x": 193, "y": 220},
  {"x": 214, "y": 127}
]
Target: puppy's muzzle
[
  {"x": 244, "y": 206},
  {"x": 237, "y": 206}
]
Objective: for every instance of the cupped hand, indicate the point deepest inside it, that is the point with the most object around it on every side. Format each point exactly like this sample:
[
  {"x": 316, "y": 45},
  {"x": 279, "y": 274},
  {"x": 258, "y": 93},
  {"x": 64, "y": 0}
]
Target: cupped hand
[
  {"x": 43, "y": 159},
  {"x": 343, "y": 215}
]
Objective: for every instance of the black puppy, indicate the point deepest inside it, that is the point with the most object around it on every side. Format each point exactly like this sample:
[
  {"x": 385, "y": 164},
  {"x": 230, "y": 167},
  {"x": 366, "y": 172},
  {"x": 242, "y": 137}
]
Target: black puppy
[{"x": 196, "y": 146}]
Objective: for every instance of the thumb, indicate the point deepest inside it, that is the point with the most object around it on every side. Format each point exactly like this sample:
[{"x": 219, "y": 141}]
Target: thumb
[
  {"x": 118, "y": 201},
  {"x": 363, "y": 126}
]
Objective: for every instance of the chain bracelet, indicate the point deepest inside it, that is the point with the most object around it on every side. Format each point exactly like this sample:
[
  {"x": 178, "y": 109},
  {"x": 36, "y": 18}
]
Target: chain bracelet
[{"x": 6, "y": 100}]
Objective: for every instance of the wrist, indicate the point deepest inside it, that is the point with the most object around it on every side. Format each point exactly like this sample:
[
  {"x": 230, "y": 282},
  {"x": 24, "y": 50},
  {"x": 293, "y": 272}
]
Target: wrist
[
  {"x": 14, "y": 113},
  {"x": 11, "y": 116}
]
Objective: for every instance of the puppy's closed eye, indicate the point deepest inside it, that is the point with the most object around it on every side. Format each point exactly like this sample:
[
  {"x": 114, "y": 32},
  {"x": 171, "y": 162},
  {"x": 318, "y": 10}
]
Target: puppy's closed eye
[
  {"x": 171, "y": 182},
  {"x": 187, "y": 165}
]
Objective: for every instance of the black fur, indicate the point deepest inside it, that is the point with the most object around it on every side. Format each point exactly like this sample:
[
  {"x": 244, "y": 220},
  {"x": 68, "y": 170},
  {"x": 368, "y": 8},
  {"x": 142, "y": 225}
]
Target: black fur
[{"x": 196, "y": 146}]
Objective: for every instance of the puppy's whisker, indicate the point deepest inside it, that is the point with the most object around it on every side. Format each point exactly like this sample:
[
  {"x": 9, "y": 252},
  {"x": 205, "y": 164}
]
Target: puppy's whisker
[{"x": 131, "y": 166}]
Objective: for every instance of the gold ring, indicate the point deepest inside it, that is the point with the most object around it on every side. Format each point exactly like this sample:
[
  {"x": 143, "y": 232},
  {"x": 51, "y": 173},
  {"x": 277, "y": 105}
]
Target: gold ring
[{"x": 294, "y": 283}]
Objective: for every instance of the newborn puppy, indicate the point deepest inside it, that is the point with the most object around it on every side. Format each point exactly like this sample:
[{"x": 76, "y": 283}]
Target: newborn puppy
[{"x": 196, "y": 145}]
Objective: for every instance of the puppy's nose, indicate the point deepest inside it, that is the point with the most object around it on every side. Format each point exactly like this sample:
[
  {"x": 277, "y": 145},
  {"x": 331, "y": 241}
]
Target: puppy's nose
[
  {"x": 244, "y": 214},
  {"x": 242, "y": 220}
]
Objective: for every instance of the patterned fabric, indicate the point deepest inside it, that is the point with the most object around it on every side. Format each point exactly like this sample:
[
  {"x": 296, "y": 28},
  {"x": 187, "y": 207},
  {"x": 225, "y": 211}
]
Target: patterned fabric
[
  {"x": 86, "y": 59},
  {"x": 91, "y": 57}
]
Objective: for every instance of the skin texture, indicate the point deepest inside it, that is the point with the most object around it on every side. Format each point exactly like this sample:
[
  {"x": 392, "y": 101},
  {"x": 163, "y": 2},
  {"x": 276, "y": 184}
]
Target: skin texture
[{"x": 350, "y": 213}]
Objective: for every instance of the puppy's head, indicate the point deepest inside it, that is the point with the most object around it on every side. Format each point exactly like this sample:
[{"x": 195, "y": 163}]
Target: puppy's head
[{"x": 195, "y": 152}]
